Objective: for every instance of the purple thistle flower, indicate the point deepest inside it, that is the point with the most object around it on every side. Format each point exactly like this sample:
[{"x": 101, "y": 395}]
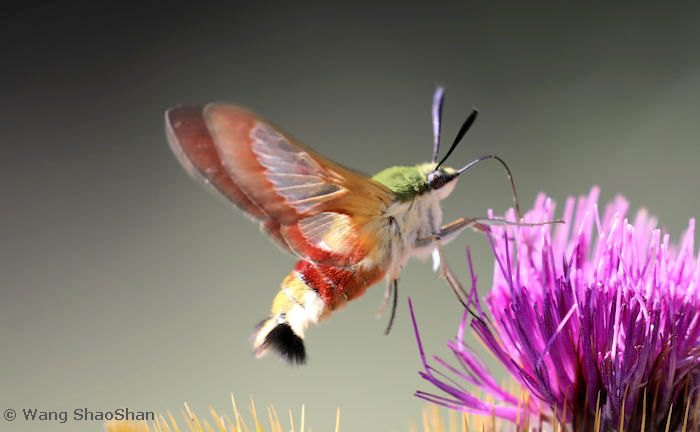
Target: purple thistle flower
[{"x": 601, "y": 324}]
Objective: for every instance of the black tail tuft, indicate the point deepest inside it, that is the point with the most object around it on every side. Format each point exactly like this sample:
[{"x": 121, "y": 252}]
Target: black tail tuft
[{"x": 286, "y": 343}]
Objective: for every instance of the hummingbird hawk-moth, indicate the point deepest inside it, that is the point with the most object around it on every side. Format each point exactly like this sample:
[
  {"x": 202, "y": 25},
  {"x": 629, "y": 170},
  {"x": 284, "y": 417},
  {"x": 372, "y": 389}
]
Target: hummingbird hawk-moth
[{"x": 348, "y": 230}]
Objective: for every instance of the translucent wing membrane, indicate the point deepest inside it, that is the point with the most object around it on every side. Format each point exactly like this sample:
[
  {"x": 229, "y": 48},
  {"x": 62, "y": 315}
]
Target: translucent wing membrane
[
  {"x": 292, "y": 172},
  {"x": 306, "y": 203}
]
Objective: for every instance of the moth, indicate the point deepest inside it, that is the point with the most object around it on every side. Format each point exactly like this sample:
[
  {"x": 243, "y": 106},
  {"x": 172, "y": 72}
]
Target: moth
[{"x": 348, "y": 230}]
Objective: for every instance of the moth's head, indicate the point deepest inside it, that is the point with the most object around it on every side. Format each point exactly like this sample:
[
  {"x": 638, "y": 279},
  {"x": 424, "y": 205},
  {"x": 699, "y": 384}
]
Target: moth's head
[{"x": 441, "y": 180}]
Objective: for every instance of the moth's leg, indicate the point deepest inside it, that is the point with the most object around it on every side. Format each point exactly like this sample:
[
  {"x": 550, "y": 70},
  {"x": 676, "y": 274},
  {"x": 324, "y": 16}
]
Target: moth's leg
[
  {"x": 394, "y": 285},
  {"x": 387, "y": 293},
  {"x": 447, "y": 274},
  {"x": 450, "y": 231}
]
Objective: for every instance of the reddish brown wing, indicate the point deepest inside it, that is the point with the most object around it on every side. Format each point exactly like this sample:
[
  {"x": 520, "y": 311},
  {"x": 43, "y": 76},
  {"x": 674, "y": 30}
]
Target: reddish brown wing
[
  {"x": 192, "y": 144},
  {"x": 316, "y": 208}
]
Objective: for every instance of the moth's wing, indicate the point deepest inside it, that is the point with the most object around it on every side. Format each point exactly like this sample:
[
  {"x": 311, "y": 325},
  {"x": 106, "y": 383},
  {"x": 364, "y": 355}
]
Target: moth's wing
[
  {"x": 326, "y": 213},
  {"x": 193, "y": 145}
]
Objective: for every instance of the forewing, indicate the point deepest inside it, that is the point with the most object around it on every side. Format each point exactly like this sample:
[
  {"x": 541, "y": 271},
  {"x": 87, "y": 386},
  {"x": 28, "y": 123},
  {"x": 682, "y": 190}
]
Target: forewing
[
  {"x": 318, "y": 209},
  {"x": 327, "y": 213},
  {"x": 193, "y": 145}
]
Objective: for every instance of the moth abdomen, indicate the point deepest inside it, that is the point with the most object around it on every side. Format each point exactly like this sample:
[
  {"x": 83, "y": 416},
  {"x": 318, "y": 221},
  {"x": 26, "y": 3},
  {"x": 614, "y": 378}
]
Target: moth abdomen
[{"x": 309, "y": 294}]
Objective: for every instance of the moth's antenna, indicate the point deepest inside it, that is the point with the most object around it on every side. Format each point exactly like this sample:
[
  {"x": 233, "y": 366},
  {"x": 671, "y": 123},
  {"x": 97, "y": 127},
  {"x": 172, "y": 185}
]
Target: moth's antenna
[
  {"x": 438, "y": 98},
  {"x": 463, "y": 130},
  {"x": 510, "y": 176}
]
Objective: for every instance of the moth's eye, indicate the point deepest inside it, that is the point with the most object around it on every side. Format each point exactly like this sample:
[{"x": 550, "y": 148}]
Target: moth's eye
[{"x": 436, "y": 180}]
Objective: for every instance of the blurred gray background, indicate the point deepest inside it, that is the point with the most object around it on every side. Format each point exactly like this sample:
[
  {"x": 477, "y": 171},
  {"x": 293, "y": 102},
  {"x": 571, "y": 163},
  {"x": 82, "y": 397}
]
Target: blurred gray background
[{"x": 125, "y": 284}]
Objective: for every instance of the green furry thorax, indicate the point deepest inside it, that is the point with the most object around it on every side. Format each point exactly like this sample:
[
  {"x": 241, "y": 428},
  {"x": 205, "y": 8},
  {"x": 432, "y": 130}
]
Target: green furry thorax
[{"x": 407, "y": 181}]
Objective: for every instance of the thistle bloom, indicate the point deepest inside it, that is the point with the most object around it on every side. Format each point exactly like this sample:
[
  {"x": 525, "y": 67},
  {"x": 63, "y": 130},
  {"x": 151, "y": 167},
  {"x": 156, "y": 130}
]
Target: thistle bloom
[{"x": 598, "y": 320}]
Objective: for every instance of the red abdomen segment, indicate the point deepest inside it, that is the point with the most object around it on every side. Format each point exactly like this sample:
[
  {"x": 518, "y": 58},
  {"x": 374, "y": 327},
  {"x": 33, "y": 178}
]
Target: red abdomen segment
[
  {"x": 336, "y": 286},
  {"x": 308, "y": 295}
]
